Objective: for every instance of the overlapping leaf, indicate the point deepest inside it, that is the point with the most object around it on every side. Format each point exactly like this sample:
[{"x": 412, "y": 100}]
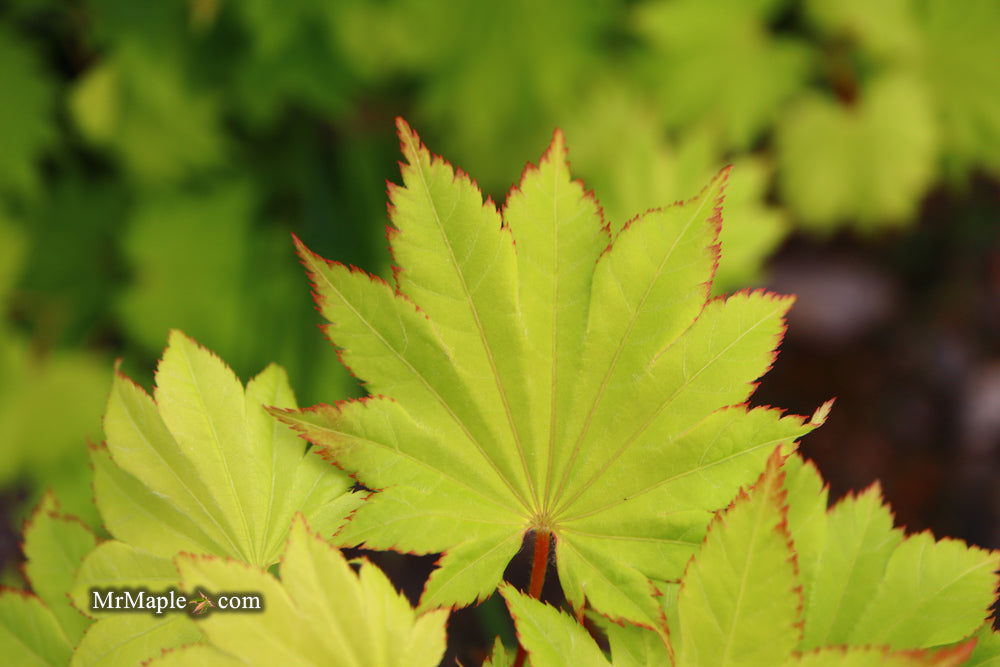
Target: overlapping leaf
[
  {"x": 204, "y": 468},
  {"x": 578, "y": 383},
  {"x": 54, "y": 547},
  {"x": 616, "y": 122},
  {"x": 127, "y": 638},
  {"x": 42, "y": 628},
  {"x": 987, "y": 650},
  {"x": 321, "y": 612},
  {"x": 740, "y": 600},
  {"x": 864, "y": 583},
  {"x": 29, "y": 633}
]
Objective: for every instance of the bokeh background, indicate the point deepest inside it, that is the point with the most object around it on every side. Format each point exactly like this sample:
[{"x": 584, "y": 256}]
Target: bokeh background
[{"x": 155, "y": 157}]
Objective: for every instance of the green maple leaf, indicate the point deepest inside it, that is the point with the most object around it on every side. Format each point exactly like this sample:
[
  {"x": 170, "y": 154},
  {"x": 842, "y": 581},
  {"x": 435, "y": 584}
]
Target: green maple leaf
[
  {"x": 204, "y": 468},
  {"x": 739, "y": 603},
  {"x": 617, "y": 122},
  {"x": 739, "y": 599},
  {"x": 960, "y": 52},
  {"x": 829, "y": 173},
  {"x": 127, "y": 638},
  {"x": 718, "y": 65},
  {"x": 321, "y": 612},
  {"x": 42, "y": 628},
  {"x": 579, "y": 385},
  {"x": 864, "y": 582},
  {"x": 987, "y": 650},
  {"x": 29, "y": 633},
  {"x": 54, "y": 547}
]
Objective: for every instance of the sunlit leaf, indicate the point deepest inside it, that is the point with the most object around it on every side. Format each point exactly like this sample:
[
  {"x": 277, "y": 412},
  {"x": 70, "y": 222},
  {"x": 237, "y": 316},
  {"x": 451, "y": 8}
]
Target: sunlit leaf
[
  {"x": 739, "y": 600},
  {"x": 211, "y": 470},
  {"x": 577, "y": 385},
  {"x": 321, "y": 612},
  {"x": 127, "y": 637}
]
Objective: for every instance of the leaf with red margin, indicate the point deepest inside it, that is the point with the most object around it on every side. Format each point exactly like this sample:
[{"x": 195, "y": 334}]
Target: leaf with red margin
[
  {"x": 548, "y": 635},
  {"x": 321, "y": 612},
  {"x": 55, "y": 545},
  {"x": 531, "y": 372},
  {"x": 741, "y": 590},
  {"x": 866, "y": 585},
  {"x": 43, "y": 628},
  {"x": 204, "y": 467},
  {"x": 987, "y": 650},
  {"x": 554, "y": 639},
  {"x": 740, "y": 601},
  {"x": 633, "y": 646},
  {"x": 500, "y": 655},
  {"x": 867, "y": 656}
]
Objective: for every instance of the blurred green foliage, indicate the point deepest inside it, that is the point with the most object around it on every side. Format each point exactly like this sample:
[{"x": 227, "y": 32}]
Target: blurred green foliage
[{"x": 154, "y": 157}]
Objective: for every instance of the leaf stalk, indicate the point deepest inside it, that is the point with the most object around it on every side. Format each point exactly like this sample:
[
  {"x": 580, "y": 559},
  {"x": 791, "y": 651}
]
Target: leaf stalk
[{"x": 539, "y": 566}]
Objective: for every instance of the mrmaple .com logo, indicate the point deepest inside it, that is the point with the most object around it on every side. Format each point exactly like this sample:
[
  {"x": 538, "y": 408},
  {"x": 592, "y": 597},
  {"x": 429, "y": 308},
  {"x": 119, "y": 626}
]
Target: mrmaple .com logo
[{"x": 141, "y": 600}]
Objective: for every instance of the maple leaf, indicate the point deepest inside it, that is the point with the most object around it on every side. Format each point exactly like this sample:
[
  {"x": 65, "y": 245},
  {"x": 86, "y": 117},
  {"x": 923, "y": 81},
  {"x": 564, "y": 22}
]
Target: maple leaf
[
  {"x": 719, "y": 65},
  {"x": 204, "y": 468},
  {"x": 828, "y": 172},
  {"x": 42, "y": 628},
  {"x": 617, "y": 122},
  {"x": 740, "y": 602},
  {"x": 127, "y": 638},
  {"x": 865, "y": 582},
  {"x": 580, "y": 385},
  {"x": 55, "y": 545},
  {"x": 321, "y": 612}
]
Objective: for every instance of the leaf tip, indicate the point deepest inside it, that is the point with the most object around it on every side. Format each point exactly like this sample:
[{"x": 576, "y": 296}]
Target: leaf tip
[{"x": 819, "y": 417}]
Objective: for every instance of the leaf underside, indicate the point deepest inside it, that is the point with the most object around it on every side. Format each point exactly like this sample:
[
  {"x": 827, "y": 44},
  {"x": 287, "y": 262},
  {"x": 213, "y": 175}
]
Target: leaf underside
[
  {"x": 531, "y": 372},
  {"x": 740, "y": 601}
]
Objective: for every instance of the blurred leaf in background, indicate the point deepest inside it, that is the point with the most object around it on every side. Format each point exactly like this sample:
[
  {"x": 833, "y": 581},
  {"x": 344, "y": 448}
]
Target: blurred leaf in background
[
  {"x": 959, "y": 65},
  {"x": 658, "y": 173},
  {"x": 50, "y": 404},
  {"x": 868, "y": 163},
  {"x": 27, "y": 127},
  {"x": 719, "y": 65}
]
